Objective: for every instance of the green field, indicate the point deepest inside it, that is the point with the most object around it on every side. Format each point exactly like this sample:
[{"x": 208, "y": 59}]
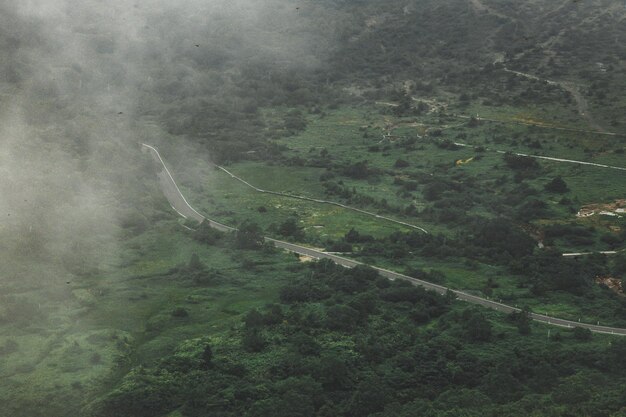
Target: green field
[
  {"x": 355, "y": 134},
  {"x": 72, "y": 340}
]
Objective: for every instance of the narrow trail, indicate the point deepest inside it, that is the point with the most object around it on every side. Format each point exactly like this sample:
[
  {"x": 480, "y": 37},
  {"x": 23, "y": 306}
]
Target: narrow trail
[
  {"x": 541, "y": 125},
  {"x": 176, "y": 198},
  {"x": 549, "y": 158},
  {"x": 315, "y": 200},
  {"x": 603, "y": 252}
]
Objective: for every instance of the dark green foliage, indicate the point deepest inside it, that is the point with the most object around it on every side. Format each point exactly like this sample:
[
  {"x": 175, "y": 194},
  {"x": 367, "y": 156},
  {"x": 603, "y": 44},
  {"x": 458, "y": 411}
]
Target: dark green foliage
[
  {"x": 9, "y": 347},
  {"x": 274, "y": 315},
  {"x": 249, "y": 236},
  {"x": 404, "y": 104},
  {"x": 369, "y": 396},
  {"x": 520, "y": 163},
  {"x": 612, "y": 241},
  {"x": 573, "y": 234},
  {"x": 333, "y": 372},
  {"x": 150, "y": 394},
  {"x": 616, "y": 358},
  {"x": 254, "y": 320},
  {"x": 206, "y": 234},
  {"x": 522, "y": 320},
  {"x": 253, "y": 340},
  {"x": 556, "y": 185},
  {"x": 195, "y": 264},
  {"x": 532, "y": 209},
  {"x": 365, "y": 350},
  {"x": 291, "y": 228},
  {"x": 359, "y": 170},
  {"x": 180, "y": 312},
  {"x": 581, "y": 334},
  {"x": 305, "y": 344},
  {"x": 619, "y": 265},
  {"x": 341, "y": 317},
  {"x": 353, "y": 236},
  {"x": 477, "y": 327},
  {"x": 207, "y": 355},
  {"x": 198, "y": 273},
  {"x": 295, "y": 122},
  {"x": 550, "y": 271},
  {"x": 504, "y": 236},
  {"x": 401, "y": 163},
  {"x": 134, "y": 221},
  {"x": 396, "y": 350},
  {"x": 445, "y": 144}
]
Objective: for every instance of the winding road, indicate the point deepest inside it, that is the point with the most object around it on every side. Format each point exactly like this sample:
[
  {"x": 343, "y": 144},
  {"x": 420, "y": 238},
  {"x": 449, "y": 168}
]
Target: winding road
[{"x": 182, "y": 207}]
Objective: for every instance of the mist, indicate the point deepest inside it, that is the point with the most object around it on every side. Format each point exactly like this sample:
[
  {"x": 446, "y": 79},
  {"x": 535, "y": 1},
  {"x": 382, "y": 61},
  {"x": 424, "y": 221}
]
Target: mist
[{"x": 82, "y": 85}]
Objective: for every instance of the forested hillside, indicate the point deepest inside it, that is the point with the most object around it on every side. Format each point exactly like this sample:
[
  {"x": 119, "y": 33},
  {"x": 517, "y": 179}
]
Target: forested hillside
[{"x": 474, "y": 144}]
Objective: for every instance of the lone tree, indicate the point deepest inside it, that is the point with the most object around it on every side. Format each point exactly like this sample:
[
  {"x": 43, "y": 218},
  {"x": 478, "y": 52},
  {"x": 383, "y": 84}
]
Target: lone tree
[
  {"x": 195, "y": 264},
  {"x": 581, "y": 334},
  {"x": 522, "y": 319},
  {"x": 290, "y": 228},
  {"x": 207, "y": 356},
  {"x": 557, "y": 185},
  {"x": 249, "y": 236},
  {"x": 206, "y": 234}
]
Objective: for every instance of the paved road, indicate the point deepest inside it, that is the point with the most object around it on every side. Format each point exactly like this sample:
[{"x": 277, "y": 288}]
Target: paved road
[
  {"x": 170, "y": 189},
  {"x": 182, "y": 207}
]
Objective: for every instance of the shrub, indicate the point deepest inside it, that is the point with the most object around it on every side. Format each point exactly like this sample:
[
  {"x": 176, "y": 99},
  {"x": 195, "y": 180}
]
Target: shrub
[
  {"x": 401, "y": 163},
  {"x": 581, "y": 334},
  {"x": 557, "y": 185},
  {"x": 180, "y": 312}
]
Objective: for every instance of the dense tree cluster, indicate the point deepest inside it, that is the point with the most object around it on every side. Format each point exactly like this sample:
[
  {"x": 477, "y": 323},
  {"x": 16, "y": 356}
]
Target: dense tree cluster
[{"x": 350, "y": 343}]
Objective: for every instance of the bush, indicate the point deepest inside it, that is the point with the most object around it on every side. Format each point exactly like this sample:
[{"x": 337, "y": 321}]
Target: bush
[
  {"x": 476, "y": 327},
  {"x": 207, "y": 234},
  {"x": 249, "y": 236},
  {"x": 581, "y": 334},
  {"x": 401, "y": 163},
  {"x": 290, "y": 228},
  {"x": 359, "y": 170},
  {"x": 341, "y": 317},
  {"x": 557, "y": 185},
  {"x": 520, "y": 163},
  {"x": 253, "y": 340},
  {"x": 180, "y": 312}
]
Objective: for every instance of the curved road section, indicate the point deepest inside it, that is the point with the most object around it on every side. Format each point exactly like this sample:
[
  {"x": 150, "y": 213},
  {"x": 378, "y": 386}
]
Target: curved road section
[
  {"x": 170, "y": 189},
  {"x": 182, "y": 207}
]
